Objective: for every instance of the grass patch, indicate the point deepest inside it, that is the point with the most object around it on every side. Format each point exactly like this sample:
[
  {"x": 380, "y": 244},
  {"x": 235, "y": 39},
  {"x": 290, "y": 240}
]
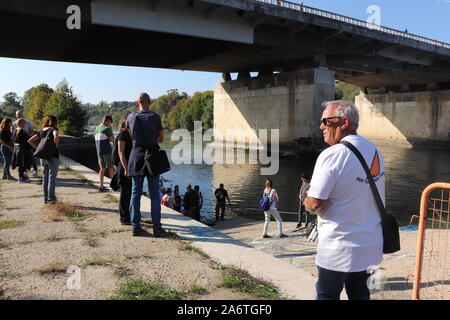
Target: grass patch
[
  {"x": 196, "y": 289},
  {"x": 54, "y": 238},
  {"x": 3, "y": 244},
  {"x": 64, "y": 209},
  {"x": 96, "y": 262},
  {"x": 242, "y": 281},
  {"x": 218, "y": 266},
  {"x": 8, "y": 224},
  {"x": 145, "y": 256},
  {"x": 190, "y": 247},
  {"x": 118, "y": 230},
  {"x": 172, "y": 235},
  {"x": 90, "y": 240},
  {"x": 122, "y": 272},
  {"x": 52, "y": 269},
  {"x": 110, "y": 198},
  {"x": 140, "y": 290}
]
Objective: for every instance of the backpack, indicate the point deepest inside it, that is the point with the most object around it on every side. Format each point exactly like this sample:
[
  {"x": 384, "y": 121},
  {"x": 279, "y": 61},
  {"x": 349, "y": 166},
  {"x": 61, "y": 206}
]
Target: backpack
[
  {"x": 46, "y": 148},
  {"x": 264, "y": 203}
]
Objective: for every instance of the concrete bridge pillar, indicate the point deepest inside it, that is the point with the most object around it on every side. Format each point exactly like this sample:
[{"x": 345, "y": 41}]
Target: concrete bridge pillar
[
  {"x": 288, "y": 101},
  {"x": 413, "y": 118}
]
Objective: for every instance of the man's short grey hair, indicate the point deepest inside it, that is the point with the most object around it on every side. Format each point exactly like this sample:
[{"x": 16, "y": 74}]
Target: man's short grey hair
[{"x": 345, "y": 109}]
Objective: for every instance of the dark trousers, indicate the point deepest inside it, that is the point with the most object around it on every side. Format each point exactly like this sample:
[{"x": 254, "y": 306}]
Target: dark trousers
[
  {"x": 220, "y": 206},
  {"x": 124, "y": 199},
  {"x": 302, "y": 211},
  {"x": 22, "y": 171},
  {"x": 330, "y": 284}
]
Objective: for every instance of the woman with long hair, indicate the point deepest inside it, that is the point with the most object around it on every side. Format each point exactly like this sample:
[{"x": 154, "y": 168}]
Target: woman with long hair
[
  {"x": 124, "y": 144},
  {"x": 270, "y": 192},
  {"x": 22, "y": 156},
  {"x": 7, "y": 148},
  {"x": 51, "y": 166}
]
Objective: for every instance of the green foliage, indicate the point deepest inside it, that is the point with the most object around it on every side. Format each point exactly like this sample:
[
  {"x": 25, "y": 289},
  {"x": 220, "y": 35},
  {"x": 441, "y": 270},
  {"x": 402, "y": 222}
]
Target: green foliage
[
  {"x": 346, "y": 91},
  {"x": 140, "y": 290},
  {"x": 10, "y": 106},
  {"x": 199, "y": 107},
  {"x": 34, "y": 101},
  {"x": 67, "y": 108}
]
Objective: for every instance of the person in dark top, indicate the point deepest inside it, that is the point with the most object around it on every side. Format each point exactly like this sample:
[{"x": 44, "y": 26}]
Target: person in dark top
[
  {"x": 50, "y": 167},
  {"x": 124, "y": 144},
  {"x": 146, "y": 132},
  {"x": 22, "y": 157},
  {"x": 177, "y": 199},
  {"x": 199, "y": 204},
  {"x": 7, "y": 148},
  {"x": 190, "y": 200},
  {"x": 221, "y": 195}
]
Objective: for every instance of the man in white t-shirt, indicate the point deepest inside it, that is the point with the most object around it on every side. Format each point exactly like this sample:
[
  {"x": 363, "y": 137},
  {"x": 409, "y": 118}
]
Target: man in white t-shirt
[{"x": 349, "y": 224}]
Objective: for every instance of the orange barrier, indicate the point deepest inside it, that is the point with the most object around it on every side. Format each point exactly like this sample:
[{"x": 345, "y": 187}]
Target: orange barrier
[{"x": 432, "y": 271}]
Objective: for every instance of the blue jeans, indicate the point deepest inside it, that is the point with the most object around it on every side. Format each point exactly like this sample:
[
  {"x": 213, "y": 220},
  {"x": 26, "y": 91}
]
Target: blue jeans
[
  {"x": 135, "y": 206},
  {"x": 330, "y": 284},
  {"x": 49, "y": 172},
  {"x": 6, "y": 153}
]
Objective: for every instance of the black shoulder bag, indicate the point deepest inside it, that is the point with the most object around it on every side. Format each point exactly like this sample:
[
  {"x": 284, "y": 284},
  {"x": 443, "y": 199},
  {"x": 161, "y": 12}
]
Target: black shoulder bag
[
  {"x": 156, "y": 161},
  {"x": 391, "y": 234},
  {"x": 46, "y": 148}
]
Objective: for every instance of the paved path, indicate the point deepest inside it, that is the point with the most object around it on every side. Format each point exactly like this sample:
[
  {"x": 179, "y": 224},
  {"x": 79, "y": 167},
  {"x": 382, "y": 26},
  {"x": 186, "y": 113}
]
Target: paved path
[{"x": 294, "y": 282}]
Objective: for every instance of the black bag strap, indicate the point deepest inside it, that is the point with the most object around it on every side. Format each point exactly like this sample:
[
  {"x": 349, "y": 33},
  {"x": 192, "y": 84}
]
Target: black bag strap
[{"x": 375, "y": 192}]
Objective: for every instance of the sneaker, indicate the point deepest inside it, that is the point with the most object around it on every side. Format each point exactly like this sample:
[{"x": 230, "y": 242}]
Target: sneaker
[
  {"x": 102, "y": 189},
  {"x": 11, "y": 179},
  {"x": 125, "y": 223},
  {"x": 266, "y": 236},
  {"x": 282, "y": 236},
  {"x": 136, "y": 231},
  {"x": 298, "y": 225},
  {"x": 24, "y": 180},
  {"x": 159, "y": 232}
]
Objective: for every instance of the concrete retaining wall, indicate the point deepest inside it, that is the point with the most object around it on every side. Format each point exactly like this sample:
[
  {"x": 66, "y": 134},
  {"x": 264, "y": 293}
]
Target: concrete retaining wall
[{"x": 420, "y": 118}]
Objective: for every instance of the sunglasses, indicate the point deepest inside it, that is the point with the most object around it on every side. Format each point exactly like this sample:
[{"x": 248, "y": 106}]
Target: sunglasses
[{"x": 324, "y": 121}]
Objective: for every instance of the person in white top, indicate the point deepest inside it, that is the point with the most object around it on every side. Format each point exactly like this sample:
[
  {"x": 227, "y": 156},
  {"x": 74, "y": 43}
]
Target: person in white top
[
  {"x": 349, "y": 223},
  {"x": 273, "y": 210}
]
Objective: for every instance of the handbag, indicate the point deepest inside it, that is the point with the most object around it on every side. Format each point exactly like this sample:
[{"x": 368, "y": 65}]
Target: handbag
[
  {"x": 264, "y": 203},
  {"x": 46, "y": 148},
  {"x": 391, "y": 233},
  {"x": 156, "y": 162},
  {"x": 114, "y": 184}
]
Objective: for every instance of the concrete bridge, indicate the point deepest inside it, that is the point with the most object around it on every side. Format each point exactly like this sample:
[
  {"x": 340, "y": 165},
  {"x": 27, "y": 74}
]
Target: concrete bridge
[{"x": 297, "y": 51}]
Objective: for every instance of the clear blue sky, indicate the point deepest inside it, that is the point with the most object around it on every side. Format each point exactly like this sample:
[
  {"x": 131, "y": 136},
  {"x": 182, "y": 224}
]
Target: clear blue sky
[{"x": 92, "y": 83}]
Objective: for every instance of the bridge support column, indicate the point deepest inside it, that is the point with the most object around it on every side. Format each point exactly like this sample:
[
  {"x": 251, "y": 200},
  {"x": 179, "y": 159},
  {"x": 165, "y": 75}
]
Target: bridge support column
[
  {"x": 289, "y": 101},
  {"x": 414, "y": 118}
]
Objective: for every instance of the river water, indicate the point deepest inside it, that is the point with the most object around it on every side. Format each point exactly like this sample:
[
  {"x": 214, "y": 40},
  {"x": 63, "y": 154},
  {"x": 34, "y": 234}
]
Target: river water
[{"x": 407, "y": 170}]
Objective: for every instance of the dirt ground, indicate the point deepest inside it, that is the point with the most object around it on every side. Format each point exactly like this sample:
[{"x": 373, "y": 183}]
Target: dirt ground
[{"x": 36, "y": 251}]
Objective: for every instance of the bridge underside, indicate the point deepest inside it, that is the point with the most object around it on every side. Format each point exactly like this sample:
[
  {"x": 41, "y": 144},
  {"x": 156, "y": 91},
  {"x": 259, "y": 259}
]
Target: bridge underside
[{"x": 268, "y": 39}]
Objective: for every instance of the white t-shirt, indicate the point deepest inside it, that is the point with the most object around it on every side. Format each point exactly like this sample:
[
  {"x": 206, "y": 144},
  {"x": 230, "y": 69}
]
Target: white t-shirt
[
  {"x": 350, "y": 234},
  {"x": 273, "y": 197},
  {"x": 27, "y": 127}
]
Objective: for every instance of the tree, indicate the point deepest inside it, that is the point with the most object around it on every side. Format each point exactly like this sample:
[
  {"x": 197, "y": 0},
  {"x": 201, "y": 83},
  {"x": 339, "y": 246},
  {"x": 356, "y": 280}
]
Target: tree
[
  {"x": 34, "y": 102},
  {"x": 67, "y": 108},
  {"x": 346, "y": 91},
  {"x": 11, "y": 99}
]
